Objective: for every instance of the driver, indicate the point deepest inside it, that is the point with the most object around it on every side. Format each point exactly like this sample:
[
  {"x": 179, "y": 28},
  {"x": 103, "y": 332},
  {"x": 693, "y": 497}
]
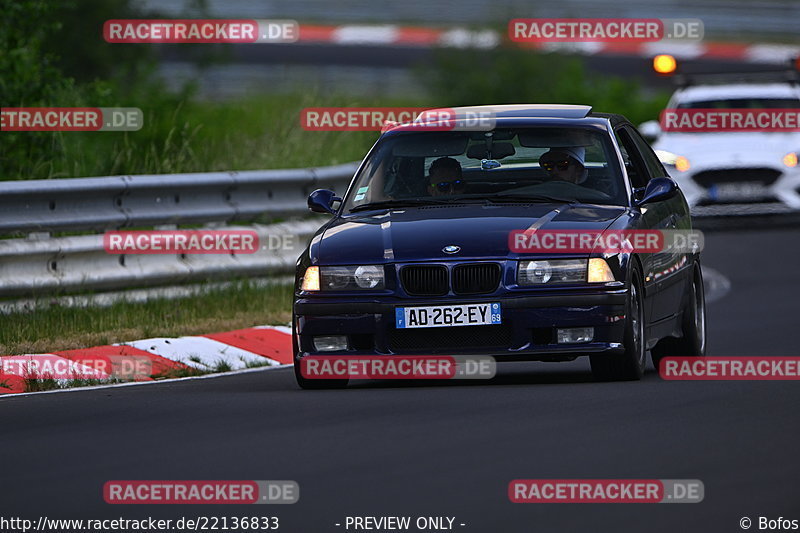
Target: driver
[
  {"x": 565, "y": 163},
  {"x": 444, "y": 177}
]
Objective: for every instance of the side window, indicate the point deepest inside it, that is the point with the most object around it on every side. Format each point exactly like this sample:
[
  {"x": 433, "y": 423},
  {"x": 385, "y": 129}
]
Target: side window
[
  {"x": 650, "y": 159},
  {"x": 637, "y": 171}
]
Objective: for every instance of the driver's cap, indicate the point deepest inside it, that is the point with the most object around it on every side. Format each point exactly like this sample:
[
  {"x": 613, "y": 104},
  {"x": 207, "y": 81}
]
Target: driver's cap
[{"x": 578, "y": 153}]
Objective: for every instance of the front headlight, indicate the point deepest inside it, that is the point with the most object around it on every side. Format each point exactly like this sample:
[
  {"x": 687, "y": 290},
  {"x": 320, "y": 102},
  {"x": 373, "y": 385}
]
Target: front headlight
[
  {"x": 310, "y": 279},
  {"x": 343, "y": 278},
  {"x": 599, "y": 271},
  {"x": 541, "y": 272},
  {"x": 552, "y": 271},
  {"x": 680, "y": 163},
  {"x": 790, "y": 159}
]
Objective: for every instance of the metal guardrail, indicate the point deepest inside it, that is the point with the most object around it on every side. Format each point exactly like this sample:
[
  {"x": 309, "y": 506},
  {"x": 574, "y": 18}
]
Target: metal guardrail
[
  {"x": 40, "y": 265},
  {"x": 100, "y": 204}
]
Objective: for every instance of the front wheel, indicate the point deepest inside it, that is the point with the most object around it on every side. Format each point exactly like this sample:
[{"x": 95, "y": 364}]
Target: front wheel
[
  {"x": 693, "y": 326},
  {"x": 631, "y": 364}
]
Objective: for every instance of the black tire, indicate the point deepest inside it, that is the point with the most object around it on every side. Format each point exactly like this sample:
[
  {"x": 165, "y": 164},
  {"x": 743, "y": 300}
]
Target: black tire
[
  {"x": 631, "y": 364},
  {"x": 693, "y": 326},
  {"x": 311, "y": 384}
]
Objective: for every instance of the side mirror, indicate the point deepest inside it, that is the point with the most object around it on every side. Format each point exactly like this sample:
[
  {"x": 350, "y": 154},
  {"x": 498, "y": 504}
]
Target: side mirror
[
  {"x": 657, "y": 190},
  {"x": 321, "y": 201},
  {"x": 650, "y": 129}
]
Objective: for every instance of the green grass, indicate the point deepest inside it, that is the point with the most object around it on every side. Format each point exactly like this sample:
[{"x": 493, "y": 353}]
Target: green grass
[
  {"x": 63, "y": 328},
  {"x": 181, "y": 134}
]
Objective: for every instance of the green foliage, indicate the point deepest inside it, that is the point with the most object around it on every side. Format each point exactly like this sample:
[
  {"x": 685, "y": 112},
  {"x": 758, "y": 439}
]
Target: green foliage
[
  {"x": 41, "y": 38},
  {"x": 56, "y": 57},
  {"x": 510, "y": 75}
]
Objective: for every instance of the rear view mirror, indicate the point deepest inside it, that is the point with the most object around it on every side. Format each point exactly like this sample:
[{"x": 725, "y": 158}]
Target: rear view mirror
[
  {"x": 321, "y": 201},
  {"x": 657, "y": 190},
  {"x": 650, "y": 130},
  {"x": 498, "y": 151}
]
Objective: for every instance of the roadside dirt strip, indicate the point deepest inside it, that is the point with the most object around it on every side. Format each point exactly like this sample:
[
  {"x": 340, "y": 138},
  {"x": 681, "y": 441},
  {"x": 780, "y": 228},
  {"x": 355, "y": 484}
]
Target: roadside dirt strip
[{"x": 149, "y": 359}]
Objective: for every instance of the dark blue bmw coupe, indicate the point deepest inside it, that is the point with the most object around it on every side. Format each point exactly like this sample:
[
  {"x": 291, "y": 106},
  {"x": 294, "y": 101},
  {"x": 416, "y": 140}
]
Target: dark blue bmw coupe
[{"x": 416, "y": 259}]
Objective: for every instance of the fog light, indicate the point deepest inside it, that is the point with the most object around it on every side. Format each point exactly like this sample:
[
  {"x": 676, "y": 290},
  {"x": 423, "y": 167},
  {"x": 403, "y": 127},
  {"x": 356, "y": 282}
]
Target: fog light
[
  {"x": 330, "y": 343},
  {"x": 574, "y": 335}
]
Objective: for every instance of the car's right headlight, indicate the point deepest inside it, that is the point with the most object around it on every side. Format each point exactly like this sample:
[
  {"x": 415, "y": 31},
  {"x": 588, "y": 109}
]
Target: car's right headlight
[
  {"x": 343, "y": 278},
  {"x": 541, "y": 272},
  {"x": 680, "y": 163},
  {"x": 552, "y": 271}
]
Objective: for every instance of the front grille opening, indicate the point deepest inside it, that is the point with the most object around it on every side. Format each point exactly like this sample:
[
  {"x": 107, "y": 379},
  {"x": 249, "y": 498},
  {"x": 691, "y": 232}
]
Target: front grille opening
[
  {"x": 542, "y": 336},
  {"x": 425, "y": 280},
  {"x": 476, "y": 278},
  {"x": 763, "y": 176},
  {"x": 443, "y": 339},
  {"x": 362, "y": 341}
]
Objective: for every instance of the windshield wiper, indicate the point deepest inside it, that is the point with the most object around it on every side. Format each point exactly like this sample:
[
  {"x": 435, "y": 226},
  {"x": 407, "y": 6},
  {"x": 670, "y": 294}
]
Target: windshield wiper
[{"x": 388, "y": 204}]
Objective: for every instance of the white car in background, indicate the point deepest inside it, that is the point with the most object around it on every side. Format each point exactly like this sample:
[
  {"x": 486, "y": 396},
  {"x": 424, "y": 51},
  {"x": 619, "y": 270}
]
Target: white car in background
[{"x": 719, "y": 172}]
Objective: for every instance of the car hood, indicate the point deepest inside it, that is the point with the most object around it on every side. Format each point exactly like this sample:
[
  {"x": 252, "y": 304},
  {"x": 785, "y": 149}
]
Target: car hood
[
  {"x": 420, "y": 233},
  {"x": 732, "y": 149}
]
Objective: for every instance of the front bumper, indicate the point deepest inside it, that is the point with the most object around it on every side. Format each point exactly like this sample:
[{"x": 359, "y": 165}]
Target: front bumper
[
  {"x": 527, "y": 331},
  {"x": 761, "y": 185}
]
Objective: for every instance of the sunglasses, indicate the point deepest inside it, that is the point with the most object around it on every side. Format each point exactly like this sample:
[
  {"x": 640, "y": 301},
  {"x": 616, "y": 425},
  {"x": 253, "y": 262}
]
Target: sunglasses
[
  {"x": 445, "y": 186},
  {"x": 551, "y": 165}
]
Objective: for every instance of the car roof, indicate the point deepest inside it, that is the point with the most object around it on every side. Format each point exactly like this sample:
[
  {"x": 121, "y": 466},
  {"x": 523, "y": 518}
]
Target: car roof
[
  {"x": 526, "y": 110},
  {"x": 736, "y": 90},
  {"x": 520, "y": 115}
]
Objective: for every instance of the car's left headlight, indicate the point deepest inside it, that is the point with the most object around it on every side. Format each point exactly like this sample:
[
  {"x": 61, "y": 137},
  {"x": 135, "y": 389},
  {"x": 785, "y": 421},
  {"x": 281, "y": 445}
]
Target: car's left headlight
[
  {"x": 678, "y": 161},
  {"x": 343, "y": 278},
  {"x": 552, "y": 271}
]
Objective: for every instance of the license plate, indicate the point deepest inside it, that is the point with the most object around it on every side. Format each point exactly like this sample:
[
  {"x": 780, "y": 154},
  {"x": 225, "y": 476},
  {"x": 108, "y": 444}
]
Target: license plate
[
  {"x": 435, "y": 316},
  {"x": 737, "y": 191}
]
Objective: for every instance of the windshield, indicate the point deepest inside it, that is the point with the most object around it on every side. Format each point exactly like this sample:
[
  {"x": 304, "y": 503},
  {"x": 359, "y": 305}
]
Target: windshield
[{"x": 532, "y": 164}]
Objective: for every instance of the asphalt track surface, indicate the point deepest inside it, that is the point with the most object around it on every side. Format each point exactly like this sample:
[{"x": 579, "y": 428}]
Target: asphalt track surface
[{"x": 389, "y": 449}]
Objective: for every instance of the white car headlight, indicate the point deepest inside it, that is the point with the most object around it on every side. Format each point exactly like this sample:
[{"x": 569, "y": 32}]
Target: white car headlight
[
  {"x": 540, "y": 272},
  {"x": 790, "y": 159},
  {"x": 552, "y": 271},
  {"x": 343, "y": 278},
  {"x": 680, "y": 163}
]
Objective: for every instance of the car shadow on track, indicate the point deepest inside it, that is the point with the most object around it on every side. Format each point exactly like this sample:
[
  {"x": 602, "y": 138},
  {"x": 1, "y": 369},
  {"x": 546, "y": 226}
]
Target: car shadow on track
[{"x": 518, "y": 373}]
